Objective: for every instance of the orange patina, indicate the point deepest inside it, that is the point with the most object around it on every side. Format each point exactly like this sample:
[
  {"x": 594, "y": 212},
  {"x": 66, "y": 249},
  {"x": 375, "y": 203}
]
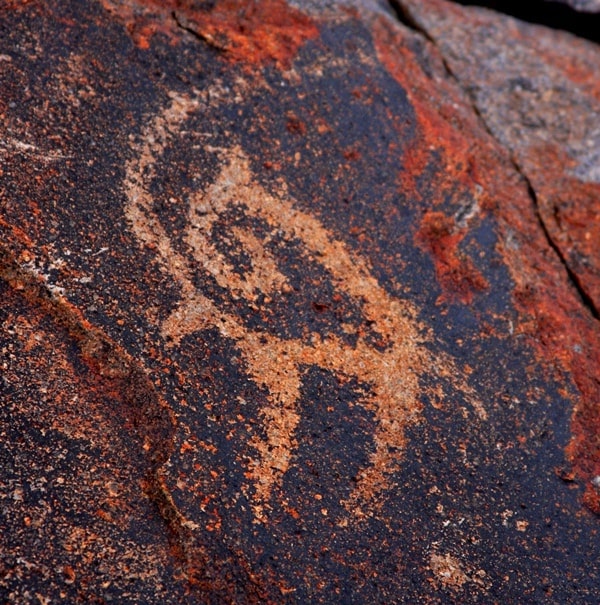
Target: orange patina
[
  {"x": 562, "y": 332},
  {"x": 455, "y": 271},
  {"x": 255, "y": 33}
]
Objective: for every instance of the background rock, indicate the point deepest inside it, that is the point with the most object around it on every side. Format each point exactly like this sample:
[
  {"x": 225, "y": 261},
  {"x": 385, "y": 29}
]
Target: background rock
[{"x": 539, "y": 98}]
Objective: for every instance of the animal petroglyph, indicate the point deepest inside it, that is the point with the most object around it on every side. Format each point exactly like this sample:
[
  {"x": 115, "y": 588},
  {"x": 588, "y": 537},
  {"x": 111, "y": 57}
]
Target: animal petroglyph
[{"x": 391, "y": 372}]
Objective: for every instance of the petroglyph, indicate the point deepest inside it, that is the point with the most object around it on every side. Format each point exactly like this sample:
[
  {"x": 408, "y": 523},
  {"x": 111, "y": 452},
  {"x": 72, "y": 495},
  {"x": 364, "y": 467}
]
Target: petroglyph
[{"x": 391, "y": 372}]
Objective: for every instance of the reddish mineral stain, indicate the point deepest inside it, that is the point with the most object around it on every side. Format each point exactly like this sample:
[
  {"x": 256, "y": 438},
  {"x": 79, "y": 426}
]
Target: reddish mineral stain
[
  {"x": 561, "y": 332},
  {"x": 255, "y": 33},
  {"x": 455, "y": 271}
]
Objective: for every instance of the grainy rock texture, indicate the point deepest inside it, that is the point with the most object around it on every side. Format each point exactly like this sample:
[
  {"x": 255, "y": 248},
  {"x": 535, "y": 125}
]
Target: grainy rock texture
[
  {"x": 300, "y": 304},
  {"x": 540, "y": 98}
]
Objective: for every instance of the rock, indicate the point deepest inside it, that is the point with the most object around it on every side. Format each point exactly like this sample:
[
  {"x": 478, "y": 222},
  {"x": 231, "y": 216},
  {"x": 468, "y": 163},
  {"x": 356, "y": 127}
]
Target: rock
[
  {"x": 288, "y": 315},
  {"x": 540, "y": 99}
]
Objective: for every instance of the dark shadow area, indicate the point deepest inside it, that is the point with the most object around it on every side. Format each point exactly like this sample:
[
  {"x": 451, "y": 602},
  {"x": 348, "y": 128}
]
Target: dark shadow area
[{"x": 549, "y": 13}]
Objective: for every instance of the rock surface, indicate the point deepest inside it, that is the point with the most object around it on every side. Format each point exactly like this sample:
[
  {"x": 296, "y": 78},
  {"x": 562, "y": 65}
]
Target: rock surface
[{"x": 300, "y": 304}]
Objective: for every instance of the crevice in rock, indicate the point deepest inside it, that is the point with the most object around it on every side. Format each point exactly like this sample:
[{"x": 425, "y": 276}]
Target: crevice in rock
[
  {"x": 573, "y": 277},
  {"x": 116, "y": 372},
  {"x": 405, "y": 17},
  {"x": 184, "y": 24},
  {"x": 154, "y": 424},
  {"x": 552, "y": 14}
]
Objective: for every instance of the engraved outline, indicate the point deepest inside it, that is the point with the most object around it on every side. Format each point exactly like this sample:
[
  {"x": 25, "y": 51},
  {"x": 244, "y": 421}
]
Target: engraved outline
[{"x": 274, "y": 363}]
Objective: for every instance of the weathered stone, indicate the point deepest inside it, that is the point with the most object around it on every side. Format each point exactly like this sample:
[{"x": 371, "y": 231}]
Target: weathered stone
[
  {"x": 540, "y": 98},
  {"x": 80, "y": 429},
  {"x": 284, "y": 318}
]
